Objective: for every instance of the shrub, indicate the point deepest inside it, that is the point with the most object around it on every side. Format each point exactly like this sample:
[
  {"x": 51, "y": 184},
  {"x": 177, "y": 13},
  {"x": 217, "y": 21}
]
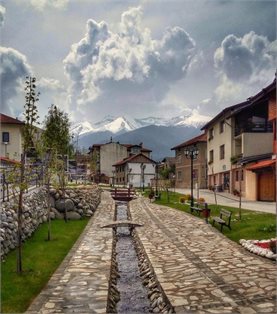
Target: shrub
[
  {"x": 185, "y": 198},
  {"x": 201, "y": 200}
]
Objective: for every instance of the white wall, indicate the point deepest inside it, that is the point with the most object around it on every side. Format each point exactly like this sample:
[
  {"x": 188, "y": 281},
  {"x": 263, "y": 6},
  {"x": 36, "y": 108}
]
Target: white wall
[
  {"x": 256, "y": 143},
  {"x": 14, "y": 147},
  {"x": 225, "y": 138},
  {"x": 135, "y": 177}
]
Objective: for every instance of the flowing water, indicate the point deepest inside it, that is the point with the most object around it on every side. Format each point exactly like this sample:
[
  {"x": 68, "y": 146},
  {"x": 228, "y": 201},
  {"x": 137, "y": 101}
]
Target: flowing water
[{"x": 133, "y": 295}]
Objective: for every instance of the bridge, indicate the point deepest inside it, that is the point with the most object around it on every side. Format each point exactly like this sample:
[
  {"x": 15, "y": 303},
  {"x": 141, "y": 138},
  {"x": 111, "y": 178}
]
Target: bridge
[{"x": 123, "y": 194}]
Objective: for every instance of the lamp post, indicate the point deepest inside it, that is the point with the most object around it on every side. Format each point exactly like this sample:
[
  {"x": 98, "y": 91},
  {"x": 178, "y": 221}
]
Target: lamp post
[{"x": 191, "y": 153}]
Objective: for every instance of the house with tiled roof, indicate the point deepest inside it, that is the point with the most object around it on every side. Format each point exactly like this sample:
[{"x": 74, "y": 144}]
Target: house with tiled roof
[
  {"x": 11, "y": 137},
  {"x": 183, "y": 164},
  {"x": 104, "y": 156},
  {"x": 135, "y": 171},
  {"x": 238, "y": 137}
]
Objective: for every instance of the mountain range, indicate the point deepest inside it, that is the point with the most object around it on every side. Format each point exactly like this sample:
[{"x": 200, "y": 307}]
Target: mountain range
[{"x": 157, "y": 134}]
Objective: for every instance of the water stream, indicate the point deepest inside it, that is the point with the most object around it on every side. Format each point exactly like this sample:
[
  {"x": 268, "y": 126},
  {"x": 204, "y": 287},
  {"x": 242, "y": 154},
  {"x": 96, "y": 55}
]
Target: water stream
[{"x": 133, "y": 295}]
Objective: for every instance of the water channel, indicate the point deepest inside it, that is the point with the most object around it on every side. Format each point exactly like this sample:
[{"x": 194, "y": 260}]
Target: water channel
[{"x": 133, "y": 295}]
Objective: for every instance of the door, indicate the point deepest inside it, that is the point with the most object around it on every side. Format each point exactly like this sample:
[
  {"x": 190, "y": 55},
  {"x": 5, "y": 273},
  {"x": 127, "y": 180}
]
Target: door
[{"x": 267, "y": 187}]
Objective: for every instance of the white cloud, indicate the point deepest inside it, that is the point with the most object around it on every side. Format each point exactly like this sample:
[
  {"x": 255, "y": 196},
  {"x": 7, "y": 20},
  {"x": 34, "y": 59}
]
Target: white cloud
[
  {"x": 105, "y": 64},
  {"x": 2, "y": 15},
  {"x": 244, "y": 65},
  {"x": 14, "y": 68},
  {"x": 240, "y": 58},
  {"x": 43, "y": 4}
]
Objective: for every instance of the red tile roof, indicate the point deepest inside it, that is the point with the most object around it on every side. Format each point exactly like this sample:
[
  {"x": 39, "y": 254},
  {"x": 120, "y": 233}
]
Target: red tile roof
[
  {"x": 197, "y": 139},
  {"x": 9, "y": 120},
  {"x": 262, "y": 164},
  {"x": 7, "y": 160},
  {"x": 128, "y": 159}
]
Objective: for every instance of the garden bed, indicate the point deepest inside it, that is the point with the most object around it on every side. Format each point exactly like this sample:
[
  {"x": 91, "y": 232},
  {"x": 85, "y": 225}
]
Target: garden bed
[{"x": 265, "y": 248}]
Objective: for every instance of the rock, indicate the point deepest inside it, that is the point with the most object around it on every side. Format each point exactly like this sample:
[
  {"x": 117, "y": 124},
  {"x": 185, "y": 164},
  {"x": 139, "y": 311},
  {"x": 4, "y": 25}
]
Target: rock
[
  {"x": 73, "y": 216},
  {"x": 67, "y": 204}
]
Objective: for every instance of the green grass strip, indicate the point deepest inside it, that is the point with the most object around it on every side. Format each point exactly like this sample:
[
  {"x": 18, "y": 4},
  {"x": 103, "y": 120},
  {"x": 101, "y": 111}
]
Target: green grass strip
[
  {"x": 252, "y": 226},
  {"x": 40, "y": 260}
]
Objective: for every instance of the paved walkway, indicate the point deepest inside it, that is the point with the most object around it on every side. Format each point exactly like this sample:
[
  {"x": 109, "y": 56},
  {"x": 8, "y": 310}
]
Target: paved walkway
[
  {"x": 228, "y": 199},
  {"x": 199, "y": 269},
  {"x": 80, "y": 284}
]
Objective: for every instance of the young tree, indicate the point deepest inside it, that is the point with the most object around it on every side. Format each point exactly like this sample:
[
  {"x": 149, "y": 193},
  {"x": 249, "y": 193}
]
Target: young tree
[
  {"x": 56, "y": 138},
  {"x": 29, "y": 130}
]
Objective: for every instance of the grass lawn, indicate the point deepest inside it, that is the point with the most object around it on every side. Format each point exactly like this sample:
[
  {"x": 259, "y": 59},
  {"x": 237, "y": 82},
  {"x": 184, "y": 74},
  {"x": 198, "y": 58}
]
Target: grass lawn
[
  {"x": 40, "y": 259},
  {"x": 253, "y": 225}
]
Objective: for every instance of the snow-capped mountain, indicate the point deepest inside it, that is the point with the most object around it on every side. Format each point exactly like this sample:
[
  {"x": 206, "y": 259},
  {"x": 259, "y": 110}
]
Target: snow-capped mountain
[
  {"x": 119, "y": 125},
  {"x": 82, "y": 128}
]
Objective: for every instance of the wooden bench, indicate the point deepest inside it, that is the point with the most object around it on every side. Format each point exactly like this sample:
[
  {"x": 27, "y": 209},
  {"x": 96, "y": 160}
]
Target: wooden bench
[
  {"x": 198, "y": 208},
  {"x": 224, "y": 219}
]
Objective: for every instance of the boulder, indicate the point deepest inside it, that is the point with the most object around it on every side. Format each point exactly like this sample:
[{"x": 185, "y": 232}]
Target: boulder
[
  {"x": 73, "y": 216},
  {"x": 67, "y": 204}
]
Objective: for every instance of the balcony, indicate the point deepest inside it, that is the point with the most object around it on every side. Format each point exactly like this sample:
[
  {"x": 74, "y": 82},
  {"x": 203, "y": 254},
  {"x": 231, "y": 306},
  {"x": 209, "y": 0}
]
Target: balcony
[{"x": 258, "y": 127}]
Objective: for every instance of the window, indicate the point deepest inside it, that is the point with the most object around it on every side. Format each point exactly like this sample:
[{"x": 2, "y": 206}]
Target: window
[
  {"x": 179, "y": 175},
  {"x": 237, "y": 175},
  {"x": 211, "y": 159},
  {"x": 222, "y": 152},
  {"x": 221, "y": 126},
  {"x": 5, "y": 137},
  {"x": 211, "y": 133}
]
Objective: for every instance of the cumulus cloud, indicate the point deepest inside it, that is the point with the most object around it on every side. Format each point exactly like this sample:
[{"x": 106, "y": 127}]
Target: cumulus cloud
[
  {"x": 2, "y": 15},
  {"x": 43, "y": 4},
  {"x": 14, "y": 68},
  {"x": 240, "y": 58},
  {"x": 105, "y": 64},
  {"x": 244, "y": 66}
]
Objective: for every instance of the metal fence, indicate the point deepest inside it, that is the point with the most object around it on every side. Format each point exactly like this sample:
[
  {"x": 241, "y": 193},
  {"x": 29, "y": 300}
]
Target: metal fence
[{"x": 10, "y": 180}]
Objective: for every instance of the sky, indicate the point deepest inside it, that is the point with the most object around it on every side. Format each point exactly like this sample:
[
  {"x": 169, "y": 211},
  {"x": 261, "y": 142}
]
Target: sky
[{"x": 94, "y": 58}]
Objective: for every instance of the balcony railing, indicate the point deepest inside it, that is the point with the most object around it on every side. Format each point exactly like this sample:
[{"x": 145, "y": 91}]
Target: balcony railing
[{"x": 254, "y": 128}]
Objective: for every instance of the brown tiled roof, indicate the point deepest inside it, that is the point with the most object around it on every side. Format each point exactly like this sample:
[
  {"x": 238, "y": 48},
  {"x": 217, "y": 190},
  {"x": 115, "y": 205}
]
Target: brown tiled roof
[
  {"x": 128, "y": 159},
  {"x": 197, "y": 139},
  {"x": 7, "y": 160},
  {"x": 225, "y": 112},
  {"x": 9, "y": 120}
]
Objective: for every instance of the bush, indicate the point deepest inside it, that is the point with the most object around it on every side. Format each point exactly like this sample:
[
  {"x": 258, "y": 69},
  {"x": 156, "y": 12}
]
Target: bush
[
  {"x": 201, "y": 200},
  {"x": 185, "y": 198}
]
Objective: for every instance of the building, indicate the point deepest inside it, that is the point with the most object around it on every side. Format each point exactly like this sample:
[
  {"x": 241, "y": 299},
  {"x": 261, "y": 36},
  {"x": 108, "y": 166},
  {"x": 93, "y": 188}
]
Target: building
[
  {"x": 183, "y": 164},
  {"x": 239, "y": 136},
  {"x": 260, "y": 173},
  {"x": 12, "y": 139},
  {"x": 104, "y": 156},
  {"x": 135, "y": 171}
]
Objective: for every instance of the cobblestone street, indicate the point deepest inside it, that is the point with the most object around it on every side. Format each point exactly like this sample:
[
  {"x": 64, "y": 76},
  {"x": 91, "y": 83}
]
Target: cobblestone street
[{"x": 199, "y": 269}]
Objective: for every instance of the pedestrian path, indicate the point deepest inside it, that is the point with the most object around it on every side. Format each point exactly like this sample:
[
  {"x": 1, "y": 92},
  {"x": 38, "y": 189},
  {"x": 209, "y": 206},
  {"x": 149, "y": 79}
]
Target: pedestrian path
[
  {"x": 81, "y": 283},
  {"x": 227, "y": 199},
  {"x": 199, "y": 269}
]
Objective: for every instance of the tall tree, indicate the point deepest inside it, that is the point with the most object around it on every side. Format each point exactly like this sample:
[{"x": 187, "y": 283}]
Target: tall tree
[{"x": 29, "y": 130}]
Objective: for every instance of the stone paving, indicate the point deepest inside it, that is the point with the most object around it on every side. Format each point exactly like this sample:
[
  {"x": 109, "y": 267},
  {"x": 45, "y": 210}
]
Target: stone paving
[
  {"x": 80, "y": 284},
  {"x": 199, "y": 269}
]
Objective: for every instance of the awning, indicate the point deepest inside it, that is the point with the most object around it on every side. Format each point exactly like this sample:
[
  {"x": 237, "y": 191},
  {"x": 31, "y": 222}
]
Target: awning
[{"x": 262, "y": 164}]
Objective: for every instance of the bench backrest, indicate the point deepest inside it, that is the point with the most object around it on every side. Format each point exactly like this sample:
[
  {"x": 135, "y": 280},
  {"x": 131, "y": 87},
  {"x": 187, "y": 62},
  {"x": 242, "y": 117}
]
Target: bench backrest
[
  {"x": 202, "y": 205},
  {"x": 226, "y": 213}
]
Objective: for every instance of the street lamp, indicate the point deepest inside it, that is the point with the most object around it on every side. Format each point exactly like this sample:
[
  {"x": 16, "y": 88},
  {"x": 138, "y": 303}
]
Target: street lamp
[{"x": 191, "y": 153}]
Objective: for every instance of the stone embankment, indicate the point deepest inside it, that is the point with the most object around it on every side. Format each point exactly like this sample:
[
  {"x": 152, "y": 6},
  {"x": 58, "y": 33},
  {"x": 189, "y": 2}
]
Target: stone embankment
[{"x": 79, "y": 202}]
